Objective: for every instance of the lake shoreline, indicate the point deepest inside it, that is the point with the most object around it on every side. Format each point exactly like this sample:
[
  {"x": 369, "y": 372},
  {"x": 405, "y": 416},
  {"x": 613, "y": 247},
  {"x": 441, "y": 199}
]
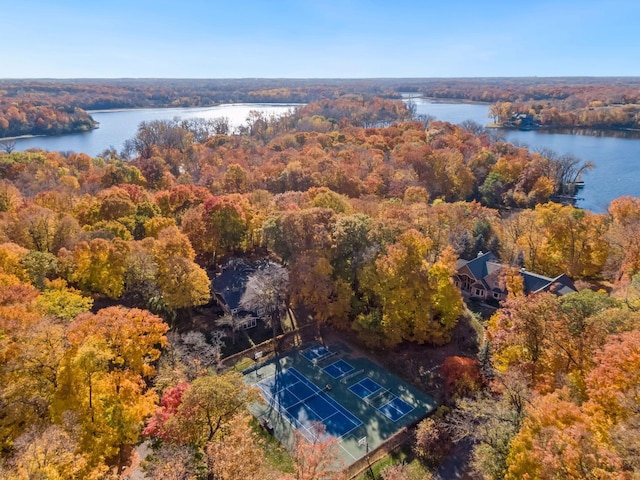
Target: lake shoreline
[
  {"x": 19, "y": 137},
  {"x": 615, "y": 153},
  {"x": 42, "y": 135},
  {"x": 140, "y": 109},
  {"x": 446, "y": 101},
  {"x": 118, "y": 125},
  {"x": 548, "y": 128},
  {"x": 564, "y": 129},
  {"x": 202, "y": 107}
]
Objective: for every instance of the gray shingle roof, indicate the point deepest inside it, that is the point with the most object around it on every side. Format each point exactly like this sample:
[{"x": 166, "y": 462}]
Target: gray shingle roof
[{"x": 484, "y": 265}]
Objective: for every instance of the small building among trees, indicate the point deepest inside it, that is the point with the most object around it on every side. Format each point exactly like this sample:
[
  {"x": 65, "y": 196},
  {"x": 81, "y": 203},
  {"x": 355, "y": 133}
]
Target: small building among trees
[
  {"x": 484, "y": 278},
  {"x": 252, "y": 291},
  {"x": 229, "y": 287}
]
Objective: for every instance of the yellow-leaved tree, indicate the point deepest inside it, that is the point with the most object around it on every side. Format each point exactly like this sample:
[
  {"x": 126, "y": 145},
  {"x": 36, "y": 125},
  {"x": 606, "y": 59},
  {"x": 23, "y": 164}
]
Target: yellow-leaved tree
[
  {"x": 104, "y": 377},
  {"x": 418, "y": 300},
  {"x": 558, "y": 440}
]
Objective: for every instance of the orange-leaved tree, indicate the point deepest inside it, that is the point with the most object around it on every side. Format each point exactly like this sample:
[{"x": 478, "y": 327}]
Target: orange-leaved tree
[{"x": 315, "y": 458}]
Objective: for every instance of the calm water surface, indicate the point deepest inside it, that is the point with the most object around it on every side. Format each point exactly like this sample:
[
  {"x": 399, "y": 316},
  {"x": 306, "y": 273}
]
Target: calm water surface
[
  {"x": 616, "y": 154},
  {"x": 116, "y": 126},
  {"x": 617, "y": 158}
]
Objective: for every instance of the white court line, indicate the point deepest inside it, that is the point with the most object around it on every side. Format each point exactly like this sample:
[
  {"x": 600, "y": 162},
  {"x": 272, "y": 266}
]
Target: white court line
[
  {"x": 297, "y": 424},
  {"x": 348, "y": 452},
  {"x": 396, "y": 409}
]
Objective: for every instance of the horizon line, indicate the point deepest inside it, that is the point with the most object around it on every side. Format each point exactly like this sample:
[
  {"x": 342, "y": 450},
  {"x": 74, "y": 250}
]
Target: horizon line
[{"x": 332, "y": 78}]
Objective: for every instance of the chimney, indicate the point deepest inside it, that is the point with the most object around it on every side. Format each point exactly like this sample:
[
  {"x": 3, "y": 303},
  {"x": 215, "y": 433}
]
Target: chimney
[{"x": 479, "y": 254}]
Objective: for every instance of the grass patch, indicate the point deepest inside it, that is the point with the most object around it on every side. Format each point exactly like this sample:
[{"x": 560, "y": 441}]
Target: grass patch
[
  {"x": 476, "y": 325},
  {"x": 278, "y": 458},
  {"x": 414, "y": 469},
  {"x": 243, "y": 364}
]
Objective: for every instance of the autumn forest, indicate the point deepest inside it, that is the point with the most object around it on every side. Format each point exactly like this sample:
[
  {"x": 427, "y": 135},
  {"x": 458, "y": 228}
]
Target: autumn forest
[
  {"x": 53, "y": 107},
  {"x": 106, "y": 266}
]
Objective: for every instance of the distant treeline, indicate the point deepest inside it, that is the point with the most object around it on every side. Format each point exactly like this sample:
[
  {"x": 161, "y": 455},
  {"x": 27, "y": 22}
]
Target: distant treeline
[
  {"x": 596, "y": 103},
  {"x": 58, "y": 106},
  {"x": 109, "y": 94},
  {"x": 138, "y": 93},
  {"x": 52, "y": 107}
]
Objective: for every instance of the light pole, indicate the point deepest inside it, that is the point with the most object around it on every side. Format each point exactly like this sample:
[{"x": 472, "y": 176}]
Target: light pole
[{"x": 363, "y": 441}]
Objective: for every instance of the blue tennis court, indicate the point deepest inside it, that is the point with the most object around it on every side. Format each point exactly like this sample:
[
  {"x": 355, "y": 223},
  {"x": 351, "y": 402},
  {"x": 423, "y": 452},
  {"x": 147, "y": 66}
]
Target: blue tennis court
[
  {"x": 395, "y": 409},
  {"x": 315, "y": 352},
  {"x": 338, "y": 369},
  {"x": 301, "y": 402},
  {"x": 365, "y": 387}
]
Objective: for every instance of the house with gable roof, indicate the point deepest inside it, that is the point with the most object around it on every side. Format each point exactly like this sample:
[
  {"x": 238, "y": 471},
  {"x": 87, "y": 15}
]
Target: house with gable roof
[
  {"x": 480, "y": 279},
  {"x": 230, "y": 285}
]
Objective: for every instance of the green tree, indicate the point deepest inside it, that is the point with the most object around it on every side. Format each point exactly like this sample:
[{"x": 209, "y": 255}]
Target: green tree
[
  {"x": 39, "y": 266},
  {"x": 63, "y": 302},
  {"x": 352, "y": 238}
]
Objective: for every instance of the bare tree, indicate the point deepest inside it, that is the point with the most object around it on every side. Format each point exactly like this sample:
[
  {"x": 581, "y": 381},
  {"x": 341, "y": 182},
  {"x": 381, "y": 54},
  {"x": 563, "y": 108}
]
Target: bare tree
[
  {"x": 162, "y": 135},
  {"x": 489, "y": 422},
  {"x": 267, "y": 293},
  {"x": 193, "y": 350},
  {"x": 425, "y": 119},
  {"x": 8, "y": 146},
  {"x": 203, "y": 128},
  {"x": 232, "y": 321},
  {"x": 175, "y": 462},
  {"x": 566, "y": 170},
  {"x": 474, "y": 127}
]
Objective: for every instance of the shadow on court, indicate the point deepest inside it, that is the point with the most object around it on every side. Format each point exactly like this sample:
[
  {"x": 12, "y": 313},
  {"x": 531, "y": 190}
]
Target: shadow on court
[{"x": 359, "y": 402}]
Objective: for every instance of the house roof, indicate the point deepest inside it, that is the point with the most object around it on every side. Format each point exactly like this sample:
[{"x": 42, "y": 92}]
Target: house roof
[
  {"x": 539, "y": 283},
  {"x": 231, "y": 284},
  {"x": 478, "y": 266},
  {"x": 486, "y": 270},
  {"x": 534, "y": 282},
  {"x": 232, "y": 281}
]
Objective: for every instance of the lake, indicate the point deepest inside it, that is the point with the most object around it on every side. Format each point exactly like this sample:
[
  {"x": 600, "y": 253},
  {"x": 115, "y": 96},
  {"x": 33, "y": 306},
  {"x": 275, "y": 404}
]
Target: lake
[
  {"x": 615, "y": 154},
  {"x": 116, "y": 126},
  {"x": 617, "y": 157}
]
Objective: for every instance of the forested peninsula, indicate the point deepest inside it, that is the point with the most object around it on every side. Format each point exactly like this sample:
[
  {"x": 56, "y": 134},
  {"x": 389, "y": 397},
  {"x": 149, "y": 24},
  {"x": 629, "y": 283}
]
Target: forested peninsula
[
  {"x": 27, "y": 118},
  {"x": 110, "y": 334}
]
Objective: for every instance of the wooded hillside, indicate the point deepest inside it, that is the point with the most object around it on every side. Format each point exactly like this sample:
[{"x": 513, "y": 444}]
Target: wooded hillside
[{"x": 103, "y": 262}]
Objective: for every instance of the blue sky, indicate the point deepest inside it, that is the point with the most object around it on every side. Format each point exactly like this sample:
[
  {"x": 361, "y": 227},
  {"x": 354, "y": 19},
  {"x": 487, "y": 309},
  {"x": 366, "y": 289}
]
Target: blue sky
[{"x": 318, "y": 39}]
